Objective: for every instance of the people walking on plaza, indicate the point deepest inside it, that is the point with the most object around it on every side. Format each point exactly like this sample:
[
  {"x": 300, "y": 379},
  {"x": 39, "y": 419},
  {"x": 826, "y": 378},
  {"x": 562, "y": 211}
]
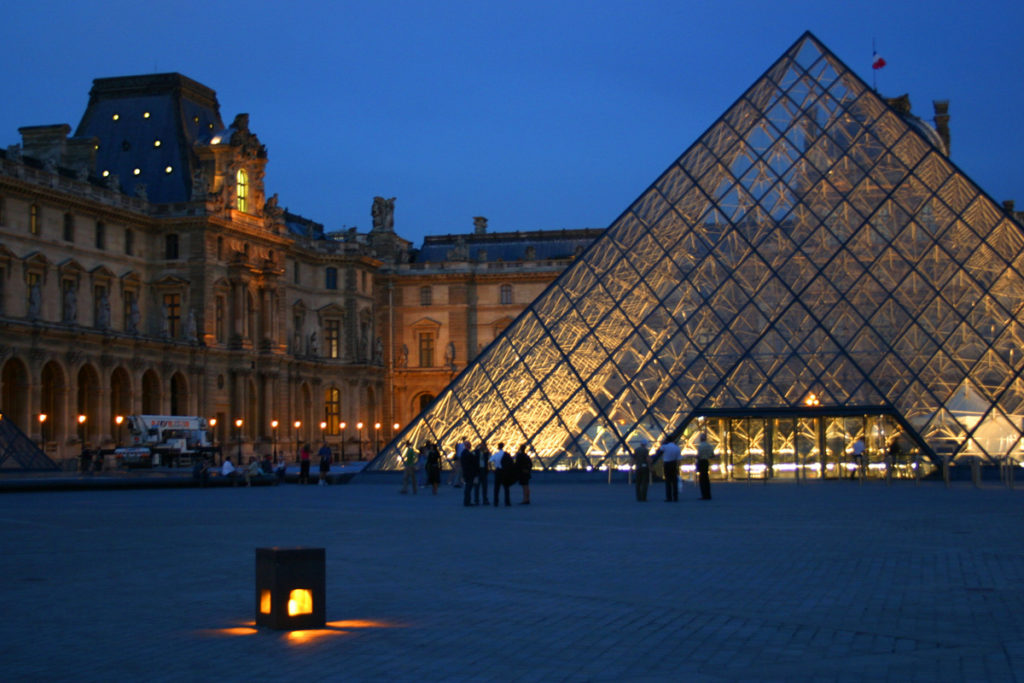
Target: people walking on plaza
[
  {"x": 483, "y": 457},
  {"x": 304, "y": 455},
  {"x": 455, "y": 477},
  {"x": 325, "y": 463},
  {"x": 705, "y": 451},
  {"x": 433, "y": 466},
  {"x": 470, "y": 465},
  {"x": 496, "y": 458},
  {"x": 670, "y": 454},
  {"x": 409, "y": 458},
  {"x": 642, "y": 465},
  {"x": 524, "y": 465},
  {"x": 509, "y": 476}
]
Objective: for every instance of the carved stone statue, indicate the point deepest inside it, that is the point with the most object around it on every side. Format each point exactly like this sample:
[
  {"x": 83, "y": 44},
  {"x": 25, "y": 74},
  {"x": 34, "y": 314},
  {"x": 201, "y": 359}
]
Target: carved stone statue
[
  {"x": 480, "y": 225},
  {"x": 133, "y": 317},
  {"x": 70, "y": 303},
  {"x": 314, "y": 347},
  {"x": 199, "y": 188},
  {"x": 103, "y": 311},
  {"x": 403, "y": 356},
  {"x": 378, "y": 350},
  {"x": 383, "y": 214},
  {"x": 191, "y": 329},
  {"x": 35, "y": 300},
  {"x": 449, "y": 355}
]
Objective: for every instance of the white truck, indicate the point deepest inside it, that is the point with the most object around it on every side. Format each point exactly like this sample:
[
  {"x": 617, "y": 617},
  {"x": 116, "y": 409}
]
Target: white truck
[{"x": 168, "y": 440}]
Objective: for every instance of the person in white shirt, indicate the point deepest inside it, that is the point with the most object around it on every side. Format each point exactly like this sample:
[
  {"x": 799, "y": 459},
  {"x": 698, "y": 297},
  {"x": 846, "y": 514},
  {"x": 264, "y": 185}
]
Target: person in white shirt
[
  {"x": 496, "y": 467},
  {"x": 227, "y": 469},
  {"x": 670, "y": 454}
]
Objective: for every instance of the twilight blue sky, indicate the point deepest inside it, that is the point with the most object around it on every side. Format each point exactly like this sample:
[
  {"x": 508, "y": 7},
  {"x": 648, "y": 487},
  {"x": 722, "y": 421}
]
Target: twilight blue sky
[{"x": 535, "y": 114}]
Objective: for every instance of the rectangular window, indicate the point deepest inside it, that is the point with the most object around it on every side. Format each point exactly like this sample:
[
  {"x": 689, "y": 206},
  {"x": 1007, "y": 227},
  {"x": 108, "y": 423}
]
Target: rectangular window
[
  {"x": 69, "y": 228},
  {"x": 219, "y": 319},
  {"x": 172, "y": 309},
  {"x": 332, "y": 410},
  {"x": 33, "y": 286},
  {"x": 129, "y": 241},
  {"x": 101, "y": 235},
  {"x": 506, "y": 294},
  {"x": 33, "y": 219},
  {"x": 331, "y": 278},
  {"x": 332, "y": 338},
  {"x": 426, "y": 296},
  {"x": 295, "y": 273},
  {"x": 426, "y": 349},
  {"x": 171, "y": 247},
  {"x": 100, "y": 307}
]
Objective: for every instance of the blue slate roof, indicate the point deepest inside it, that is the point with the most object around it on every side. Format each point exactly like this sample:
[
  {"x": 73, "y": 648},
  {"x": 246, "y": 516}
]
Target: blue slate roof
[{"x": 131, "y": 114}]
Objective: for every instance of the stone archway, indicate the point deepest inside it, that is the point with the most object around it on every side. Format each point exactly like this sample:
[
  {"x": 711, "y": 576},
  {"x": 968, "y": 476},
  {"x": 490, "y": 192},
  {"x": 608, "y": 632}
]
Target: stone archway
[
  {"x": 53, "y": 401},
  {"x": 14, "y": 394},
  {"x": 151, "y": 393}
]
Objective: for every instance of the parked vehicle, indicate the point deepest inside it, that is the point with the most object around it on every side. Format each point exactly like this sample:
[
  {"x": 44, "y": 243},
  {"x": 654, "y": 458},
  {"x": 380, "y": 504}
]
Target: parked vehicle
[{"x": 165, "y": 440}]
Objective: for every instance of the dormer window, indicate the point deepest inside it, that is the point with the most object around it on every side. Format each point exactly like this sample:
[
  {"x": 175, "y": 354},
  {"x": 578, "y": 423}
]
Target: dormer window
[{"x": 242, "y": 190}]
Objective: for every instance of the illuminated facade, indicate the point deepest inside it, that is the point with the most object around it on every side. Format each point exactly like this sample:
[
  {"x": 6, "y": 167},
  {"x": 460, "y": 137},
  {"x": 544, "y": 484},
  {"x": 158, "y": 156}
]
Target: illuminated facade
[{"x": 811, "y": 272}]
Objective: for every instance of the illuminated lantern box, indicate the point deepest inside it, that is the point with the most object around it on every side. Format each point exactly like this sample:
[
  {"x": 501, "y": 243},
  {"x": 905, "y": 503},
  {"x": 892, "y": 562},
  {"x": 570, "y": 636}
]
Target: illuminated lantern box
[{"x": 290, "y": 588}]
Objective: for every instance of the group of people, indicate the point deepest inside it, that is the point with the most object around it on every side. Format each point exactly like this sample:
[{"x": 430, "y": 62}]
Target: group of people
[
  {"x": 670, "y": 455},
  {"x": 263, "y": 468},
  {"x": 471, "y": 468}
]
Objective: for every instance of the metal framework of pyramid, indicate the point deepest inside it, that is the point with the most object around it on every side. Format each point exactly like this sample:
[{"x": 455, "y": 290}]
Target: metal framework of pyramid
[{"x": 814, "y": 252}]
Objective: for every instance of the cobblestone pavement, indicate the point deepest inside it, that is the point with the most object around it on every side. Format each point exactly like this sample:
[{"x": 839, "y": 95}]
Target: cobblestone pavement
[{"x": 823, "y": 581}]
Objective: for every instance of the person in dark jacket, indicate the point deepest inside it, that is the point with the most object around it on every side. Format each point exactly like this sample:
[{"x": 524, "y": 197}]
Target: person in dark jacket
[
  {"x": 483, "y": 457},
  {"x": 523, "y": 467},
  {"x": 509, "y": 475},
  {"x": 468, "y": 461},
  {"x": 433, "y": 466}
]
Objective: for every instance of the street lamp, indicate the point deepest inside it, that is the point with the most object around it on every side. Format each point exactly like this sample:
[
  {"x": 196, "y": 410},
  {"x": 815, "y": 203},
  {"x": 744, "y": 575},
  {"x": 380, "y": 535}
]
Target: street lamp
[
  {"x": 323, "y": 426},
  {"x": 118, "y": 419},
  {"x": 42, "y": 437},
  {"x": 297, "y": 424},
  {"x": 238, "y": 425},
  {"x": 343, "y": 426},
  {"x": 81, "y": 429},
  {"x": 376, "y": 438},
  {"x": 213, "y": 437},
  {"x": 359, "y": 431},
  {"x": 273, "y": 432}
]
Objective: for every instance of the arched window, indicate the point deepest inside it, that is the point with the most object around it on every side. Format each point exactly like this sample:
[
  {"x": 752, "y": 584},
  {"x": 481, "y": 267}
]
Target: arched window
[{"x": 242, "y": 190}]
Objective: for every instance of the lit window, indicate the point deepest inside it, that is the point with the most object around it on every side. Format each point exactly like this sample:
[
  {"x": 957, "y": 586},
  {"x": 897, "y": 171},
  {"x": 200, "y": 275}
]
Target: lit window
[
  {"x": 332, "y": 338},
  {"x": 426, "y": 349},
  {"x": 33, "y": 219},
  {"x": 426, "y": 296},
  {"x": 242, "y": 189},
  {"x": 332, "y": 409}
]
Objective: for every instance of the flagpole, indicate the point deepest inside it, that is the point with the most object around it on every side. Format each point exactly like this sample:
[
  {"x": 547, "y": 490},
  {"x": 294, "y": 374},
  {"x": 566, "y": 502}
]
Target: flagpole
[{"x": 874, "y": 71}]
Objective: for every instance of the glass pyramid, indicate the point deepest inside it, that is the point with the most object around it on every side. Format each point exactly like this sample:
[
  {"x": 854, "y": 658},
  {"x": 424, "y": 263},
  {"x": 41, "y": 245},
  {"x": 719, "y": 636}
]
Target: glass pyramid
[{"x": 813, "y": 253}]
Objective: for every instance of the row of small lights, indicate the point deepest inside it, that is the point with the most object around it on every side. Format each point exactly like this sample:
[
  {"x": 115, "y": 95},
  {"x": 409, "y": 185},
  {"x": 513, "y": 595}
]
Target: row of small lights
[
  {"x": 119, "y": 419},
  {"x": 156, "y": 143}
]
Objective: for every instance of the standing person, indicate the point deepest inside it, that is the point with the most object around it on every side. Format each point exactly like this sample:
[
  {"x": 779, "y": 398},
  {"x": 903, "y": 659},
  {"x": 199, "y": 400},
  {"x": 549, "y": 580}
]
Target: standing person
[
  {"x": 470, "y": 466},
  {"x": 409, "y": 458},
  {"x": 523, "y": 466},
  {"x": 642, "y": 464},
  {"x": 304, "y": 456},
  {"x": 670, "y": 455},
  {"x": 455, "y": 478},
  {"x": 509, "y": 476},
  {"x": 496, "y": 459},
  {"x": 482, "y": 461},
  {"x": 705, "y": 451},
  {"x": 433, "y": 466},
  {"x": 325, "y": 463}
]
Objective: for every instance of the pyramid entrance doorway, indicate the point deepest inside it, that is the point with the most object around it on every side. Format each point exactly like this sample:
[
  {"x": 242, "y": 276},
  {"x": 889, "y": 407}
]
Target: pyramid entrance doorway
[{"x": 807, "y": 445}]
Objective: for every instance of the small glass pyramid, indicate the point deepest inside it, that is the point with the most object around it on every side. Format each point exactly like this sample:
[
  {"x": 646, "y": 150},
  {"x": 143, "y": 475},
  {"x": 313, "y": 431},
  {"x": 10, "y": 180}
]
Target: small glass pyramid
[{"x": 812, "y": 271}]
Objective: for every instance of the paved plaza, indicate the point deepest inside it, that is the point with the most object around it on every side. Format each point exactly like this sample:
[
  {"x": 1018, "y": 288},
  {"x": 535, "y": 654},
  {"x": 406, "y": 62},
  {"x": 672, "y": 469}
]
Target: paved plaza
[{"x": 823, "y": 581}]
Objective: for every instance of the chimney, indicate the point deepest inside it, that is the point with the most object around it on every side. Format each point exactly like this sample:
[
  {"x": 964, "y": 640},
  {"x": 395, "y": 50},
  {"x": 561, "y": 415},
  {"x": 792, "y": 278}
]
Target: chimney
[
  {"x": 46, "y": 143},
  {"x": 480, "y": 225},
  {"x": 942, "y": 121}
]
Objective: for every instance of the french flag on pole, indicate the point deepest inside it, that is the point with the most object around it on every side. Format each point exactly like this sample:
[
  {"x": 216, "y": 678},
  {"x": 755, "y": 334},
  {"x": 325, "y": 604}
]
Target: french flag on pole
[{"x": 877, "y": 61}]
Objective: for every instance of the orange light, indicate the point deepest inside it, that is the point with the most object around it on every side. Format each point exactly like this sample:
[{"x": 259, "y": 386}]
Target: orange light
[
  {"x": 376, "y": 426},
  {"x": 297, "y": 424},
  {"x": 300, "y": 601},
  {"x": 264, "y": 602},
  {"x": 81, "y": 419},
  {"x": 359, "y": 425},
  {"x": 213, "y": 422},
  {"x": 343, "y": 425},
  {"x": 238, "y": 423},
  {"x": 395, "y": 426},
  {"x": 118, "y": 420},
  {"x": 273, "y": 424},
  {"x": 323, "y": 425},
  {"x": 42, "y": 418}
]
